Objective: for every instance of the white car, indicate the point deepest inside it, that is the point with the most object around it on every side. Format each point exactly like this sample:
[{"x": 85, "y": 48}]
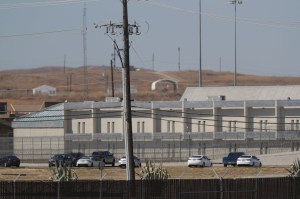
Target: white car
[
  {"x": 89, "y": 161},
  {"x": 199, "y": 160},
  {"x": 137, "y": 162},
  {"x": 248, "y": 160}
]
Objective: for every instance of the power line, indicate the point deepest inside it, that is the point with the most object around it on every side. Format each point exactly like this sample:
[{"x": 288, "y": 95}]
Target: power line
[
  {"x": 39, "y": 33},
  {"x": 42, "y": 4},
  {"x": 278, "y": 24}
]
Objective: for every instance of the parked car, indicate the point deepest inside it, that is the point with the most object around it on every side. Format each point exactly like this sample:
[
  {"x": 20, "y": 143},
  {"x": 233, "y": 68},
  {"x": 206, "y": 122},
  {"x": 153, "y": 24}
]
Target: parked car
[
  {"x": 137, "y": 162},
  {"x": 199, "y": 160},
  {"x": 10, "y": 160},
  {"x": 59, "y": 159},
  {"x": 232, "y": 158},
  {"x": 74, "y": 157},
  {"x": 248, "y": 160},
  {"x": 106, "y": 156},
  {"x": 89, "y": 161}
]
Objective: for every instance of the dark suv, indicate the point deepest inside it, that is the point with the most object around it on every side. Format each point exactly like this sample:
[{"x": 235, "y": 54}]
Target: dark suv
[
  {"x": 106, "y": 156},
  {"x": 74, "y": 157},
  {"x": 232, "y": 158}
]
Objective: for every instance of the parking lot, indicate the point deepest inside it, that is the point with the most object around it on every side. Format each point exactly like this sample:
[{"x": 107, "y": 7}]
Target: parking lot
[{"x": 274, "y": 165}]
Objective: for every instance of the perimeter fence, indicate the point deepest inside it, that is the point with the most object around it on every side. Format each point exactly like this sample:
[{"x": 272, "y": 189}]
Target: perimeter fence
[
  {"x": 248, "y": 188},
  {"x": 159, "y": 148}
]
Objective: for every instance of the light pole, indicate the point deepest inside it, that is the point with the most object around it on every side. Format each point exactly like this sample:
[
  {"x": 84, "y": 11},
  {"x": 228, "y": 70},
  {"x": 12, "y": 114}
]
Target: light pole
[
  {"x": 200, "y": 46},
  {"x": 235, "y": 2},
  {"x": 178, "y": 59}
]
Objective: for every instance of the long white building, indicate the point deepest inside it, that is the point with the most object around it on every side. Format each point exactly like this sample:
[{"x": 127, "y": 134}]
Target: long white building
[{"x": 229, "y": 116}]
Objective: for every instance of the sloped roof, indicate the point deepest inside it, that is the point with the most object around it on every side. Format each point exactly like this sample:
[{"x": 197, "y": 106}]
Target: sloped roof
[
  {"x": 44, "y": 87},
  {"x": 234, "y": 93},
  {"x": 26, "y": 108},
  {"x": 53, "y": 116}
]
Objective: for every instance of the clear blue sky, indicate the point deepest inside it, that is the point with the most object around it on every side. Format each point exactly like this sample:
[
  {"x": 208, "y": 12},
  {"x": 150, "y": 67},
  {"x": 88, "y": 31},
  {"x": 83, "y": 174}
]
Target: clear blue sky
[{"x": 37, "y": 33}]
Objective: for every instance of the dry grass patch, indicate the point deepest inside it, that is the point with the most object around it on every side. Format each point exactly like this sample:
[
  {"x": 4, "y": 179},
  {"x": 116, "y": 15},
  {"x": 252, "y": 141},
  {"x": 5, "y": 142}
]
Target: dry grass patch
[{"x": 176, "y": 172}]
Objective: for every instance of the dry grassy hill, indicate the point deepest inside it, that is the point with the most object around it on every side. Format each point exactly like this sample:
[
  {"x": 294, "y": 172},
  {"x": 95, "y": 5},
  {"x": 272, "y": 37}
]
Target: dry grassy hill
[{"x": 16, "y": 85}]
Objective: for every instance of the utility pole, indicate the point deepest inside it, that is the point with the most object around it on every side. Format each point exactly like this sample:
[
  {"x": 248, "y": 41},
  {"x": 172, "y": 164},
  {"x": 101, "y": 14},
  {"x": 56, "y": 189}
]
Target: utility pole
[
  {"x": 153, "y": 61},
  {"x": 127, "y": 103},
  {"x": 200, "y": 45},
  {"x": 113, "y": 55},
  {"x": 65, "y": 57},
  {"x": 178, "y": 59},
  {"x": 84, "y": 33},
  {"x": 235, "y": 2},
  {"x": 112, "y": 79},
  {"x": 125, "y": 29},
  {"x": 70, "y": 84}
]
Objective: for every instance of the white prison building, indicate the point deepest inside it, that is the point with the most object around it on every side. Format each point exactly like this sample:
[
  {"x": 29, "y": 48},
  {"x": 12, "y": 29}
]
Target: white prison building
[{"x": 228, "y": 118}]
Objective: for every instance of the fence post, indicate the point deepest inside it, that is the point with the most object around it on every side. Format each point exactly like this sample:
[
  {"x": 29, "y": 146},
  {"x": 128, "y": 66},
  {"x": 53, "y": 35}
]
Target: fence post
[
  {"x": 180, "y": 148},
  {"x": 58, "y": 185},
  {"x": 256, "y": 184},
  {"x": 101, "y": 167},
  {"x": 221, "y": 182},
  {"x": 221, "y": 188},
  {"x": 15, "y": 184}
]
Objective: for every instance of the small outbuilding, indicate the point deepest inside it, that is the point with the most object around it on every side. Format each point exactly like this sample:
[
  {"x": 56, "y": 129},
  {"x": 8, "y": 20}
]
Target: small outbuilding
[{"x": 44, "y": 89}]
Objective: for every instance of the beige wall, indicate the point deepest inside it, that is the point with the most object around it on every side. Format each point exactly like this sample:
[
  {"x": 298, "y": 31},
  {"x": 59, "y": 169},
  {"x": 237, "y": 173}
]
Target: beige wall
[
  {"x": 176, "y": 120},
  {"x": 39, "y": 132}
]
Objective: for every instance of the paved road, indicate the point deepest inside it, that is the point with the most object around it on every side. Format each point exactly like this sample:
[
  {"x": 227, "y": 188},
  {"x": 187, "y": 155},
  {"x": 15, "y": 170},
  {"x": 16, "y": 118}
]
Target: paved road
[{"x": 280, "y": 159}]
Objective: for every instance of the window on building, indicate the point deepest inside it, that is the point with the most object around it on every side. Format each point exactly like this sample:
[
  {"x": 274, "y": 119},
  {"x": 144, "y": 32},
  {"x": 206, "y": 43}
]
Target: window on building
[
  {"x": 266, "y": 125},
  {"x": 113, "y": 127},
  {"x": 229, "y": 126},
  {"x": 199, "y": 126},
  {"x": 260, "y": 125},
  {"x": 143, "y": 127},
  {"x": 203, "y": 126},
  {"x": 173, "y": 126},
  {"x": 168, "y": 126},
  {"x": 83, "y": 127},
  {"x": 234, "y": 126},
  {"x": 138, "y": 127},
  {"x": 78, "y": 127},
  {"x": 108, "y": 127},
  {"x": 297, "y": 125}
]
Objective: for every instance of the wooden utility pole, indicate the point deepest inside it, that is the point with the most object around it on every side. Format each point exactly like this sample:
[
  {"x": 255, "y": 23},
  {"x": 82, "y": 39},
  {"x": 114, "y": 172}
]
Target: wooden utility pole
[
  {"x": 112, "y": 79},
  {"x": 126, "y": 30},
  {"x": 126, "y": 100}
]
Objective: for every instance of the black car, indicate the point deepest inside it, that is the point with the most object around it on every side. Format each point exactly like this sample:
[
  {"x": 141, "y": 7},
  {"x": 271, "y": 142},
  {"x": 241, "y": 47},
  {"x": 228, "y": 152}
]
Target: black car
[
  {"x": 106, "y": 156},
  {"x": 59, "y": 159},
  {"x": 10, "y": 160}
]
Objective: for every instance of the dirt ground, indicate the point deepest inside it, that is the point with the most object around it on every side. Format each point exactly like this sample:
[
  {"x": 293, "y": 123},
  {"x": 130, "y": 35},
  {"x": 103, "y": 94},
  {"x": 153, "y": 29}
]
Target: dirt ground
[{"x": 116, "y": 173}]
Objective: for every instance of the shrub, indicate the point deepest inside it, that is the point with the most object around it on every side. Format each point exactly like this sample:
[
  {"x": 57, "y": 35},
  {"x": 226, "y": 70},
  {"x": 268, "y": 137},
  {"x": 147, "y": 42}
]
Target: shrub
[
  {"x": 151, "y": 172},
  {"x": 63, "y": 172},
  {"x": 294, "y": 170}
]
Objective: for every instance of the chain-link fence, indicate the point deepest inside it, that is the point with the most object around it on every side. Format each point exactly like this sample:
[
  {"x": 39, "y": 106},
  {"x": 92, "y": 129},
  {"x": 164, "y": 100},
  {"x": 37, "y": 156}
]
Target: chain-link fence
[
  {"x": 161, "y": 147},
  {"x": 247, "y": 188}
]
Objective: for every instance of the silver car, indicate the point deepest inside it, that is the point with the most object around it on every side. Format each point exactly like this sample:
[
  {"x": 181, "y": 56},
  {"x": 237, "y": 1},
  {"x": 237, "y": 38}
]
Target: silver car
[
  {"x": 137, "y": 162},
  {"x": 89, "y": 161},
  {"x": 248, "y": 160},
  {"x": 199, "y": 160}
]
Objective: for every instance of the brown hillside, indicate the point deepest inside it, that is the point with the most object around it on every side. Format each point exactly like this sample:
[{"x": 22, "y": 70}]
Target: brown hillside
[{"x": 16, "y": 85}]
